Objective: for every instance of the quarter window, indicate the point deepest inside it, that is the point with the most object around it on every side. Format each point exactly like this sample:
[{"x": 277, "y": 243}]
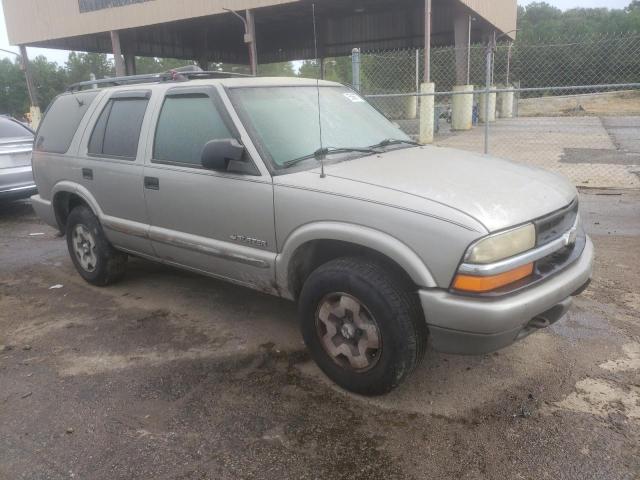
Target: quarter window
[
  {"x": 117, "y": 131},
  {"x": 186, "y": 124},
  {"x": 61, "y": 121}
]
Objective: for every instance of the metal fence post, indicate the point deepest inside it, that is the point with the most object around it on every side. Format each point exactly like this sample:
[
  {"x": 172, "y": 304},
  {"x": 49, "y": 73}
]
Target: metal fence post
[
  {"x": 487, "y": 90},
  {"x": 355, "y": 64}
]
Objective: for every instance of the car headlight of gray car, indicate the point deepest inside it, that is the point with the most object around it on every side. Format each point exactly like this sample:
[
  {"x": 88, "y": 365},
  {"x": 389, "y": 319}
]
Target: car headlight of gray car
[
  {"x": 502, "y": 245},
  {"x": 506, "y": 257}
]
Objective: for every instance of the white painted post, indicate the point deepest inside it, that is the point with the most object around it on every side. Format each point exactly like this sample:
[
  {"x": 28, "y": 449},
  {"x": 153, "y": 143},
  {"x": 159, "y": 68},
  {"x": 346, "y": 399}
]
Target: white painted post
[
  {"x": 462, "y": 108},
  {"x": 427, "y": 113}
]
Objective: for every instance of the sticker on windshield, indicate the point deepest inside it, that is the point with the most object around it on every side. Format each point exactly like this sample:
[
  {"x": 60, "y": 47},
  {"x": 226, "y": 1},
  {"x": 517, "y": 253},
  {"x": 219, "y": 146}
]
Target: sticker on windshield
[{"x": 353, "y": 97}]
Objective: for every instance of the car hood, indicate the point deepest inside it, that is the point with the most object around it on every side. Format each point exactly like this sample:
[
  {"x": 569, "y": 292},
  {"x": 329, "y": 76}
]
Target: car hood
[{"x": 496, "y": 193}]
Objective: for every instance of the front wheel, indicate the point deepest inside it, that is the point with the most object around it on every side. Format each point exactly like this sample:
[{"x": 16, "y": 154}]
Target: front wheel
[
  {"x": 362, "y": 325},
  {"x": 94, "y": 257}
]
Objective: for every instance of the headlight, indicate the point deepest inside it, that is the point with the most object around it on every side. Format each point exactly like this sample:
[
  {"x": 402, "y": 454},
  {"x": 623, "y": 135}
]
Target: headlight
[{"x": 502, "y": 245}]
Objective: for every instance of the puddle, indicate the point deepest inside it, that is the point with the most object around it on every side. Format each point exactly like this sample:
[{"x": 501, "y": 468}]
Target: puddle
[{"x": 581, "y": 325}]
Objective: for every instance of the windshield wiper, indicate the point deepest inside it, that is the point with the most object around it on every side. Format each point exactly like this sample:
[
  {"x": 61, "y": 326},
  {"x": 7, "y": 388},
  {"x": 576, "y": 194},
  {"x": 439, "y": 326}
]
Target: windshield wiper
[
  {"x": 323, "y": 152},
  {"x": 394, "y": 141}
]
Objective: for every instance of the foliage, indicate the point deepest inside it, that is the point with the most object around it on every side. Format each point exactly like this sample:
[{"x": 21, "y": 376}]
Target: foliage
[
  {"x": 540, "y": 22},
  {"x": 48, "y": 78},
  {"x": 80, "y": 66},
  {"x": 148, "y": 65}
]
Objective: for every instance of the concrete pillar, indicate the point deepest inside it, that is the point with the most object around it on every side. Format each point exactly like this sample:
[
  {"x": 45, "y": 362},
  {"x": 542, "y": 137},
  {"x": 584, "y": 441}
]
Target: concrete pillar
[
  {"x": 462, "y": 40},
  {"x": 36, "y": 116},
  {"x": 482, "y": 98},
  {"x": 462, "y": 108},
  {"x": 130, "y": 63},
  {"x": 505, "y": 104},
  {"x": 427, "y": 113},
  {"x": 355, "y": 67},
  {"x": 117, "y": 54}
]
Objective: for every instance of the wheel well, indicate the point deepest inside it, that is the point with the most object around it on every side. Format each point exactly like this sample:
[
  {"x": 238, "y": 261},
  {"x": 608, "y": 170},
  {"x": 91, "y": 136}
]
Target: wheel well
[
  {"x": 63, "y": 204},
  {"x": 312, "y": 254}
]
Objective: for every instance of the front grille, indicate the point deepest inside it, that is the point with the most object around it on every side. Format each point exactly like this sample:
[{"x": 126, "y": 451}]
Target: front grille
[{"x": 555, "y": 225}]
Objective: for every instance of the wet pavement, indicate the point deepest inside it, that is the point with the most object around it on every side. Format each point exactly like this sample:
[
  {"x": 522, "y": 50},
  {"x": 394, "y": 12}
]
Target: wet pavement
[{"x": 169, "y": 375}]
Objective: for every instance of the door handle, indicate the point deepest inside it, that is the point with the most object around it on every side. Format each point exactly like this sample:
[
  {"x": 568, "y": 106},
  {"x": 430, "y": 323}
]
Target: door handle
[
  {"x": 151, "y": 183},
  {"x": 87, "y": 174}
]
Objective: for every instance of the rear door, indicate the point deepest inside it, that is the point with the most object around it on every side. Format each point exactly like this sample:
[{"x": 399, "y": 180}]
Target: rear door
[
  {"x": 220, "y": 223},
  {"x": 112, "y": 168}
]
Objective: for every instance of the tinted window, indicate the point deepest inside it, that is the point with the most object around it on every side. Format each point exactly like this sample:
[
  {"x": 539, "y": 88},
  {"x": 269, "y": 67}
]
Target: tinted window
[
  {"x": 61, "y": 121},
  {"x": 11, "y": 129},
  {"x": 117, "y": 131},
  {"x": 186, "y": 124}
]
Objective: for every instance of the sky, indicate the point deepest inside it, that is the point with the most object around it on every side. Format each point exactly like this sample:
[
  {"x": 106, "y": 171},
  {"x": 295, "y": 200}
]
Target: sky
[{"x": 60, "y": 56}]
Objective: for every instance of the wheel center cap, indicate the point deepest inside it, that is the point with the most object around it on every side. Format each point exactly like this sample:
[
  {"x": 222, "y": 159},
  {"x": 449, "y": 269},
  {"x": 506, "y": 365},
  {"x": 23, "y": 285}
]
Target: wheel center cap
[{"x": 348, "y": 331}]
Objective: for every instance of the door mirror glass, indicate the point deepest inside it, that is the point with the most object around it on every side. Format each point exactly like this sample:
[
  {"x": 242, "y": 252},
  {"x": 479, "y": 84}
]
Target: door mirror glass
[{"x": 219, "y": 154}]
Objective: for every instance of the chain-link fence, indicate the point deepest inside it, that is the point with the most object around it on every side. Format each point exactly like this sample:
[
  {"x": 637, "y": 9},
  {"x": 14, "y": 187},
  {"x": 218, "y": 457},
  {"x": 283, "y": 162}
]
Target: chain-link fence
[{"x": 571, "y": 105}]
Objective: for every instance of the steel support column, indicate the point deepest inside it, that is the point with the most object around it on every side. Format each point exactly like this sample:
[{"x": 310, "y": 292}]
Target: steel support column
[
  {"x": 250, "y": 40},
  {"x": 117, "y": 54},
  {"x": 427, "y": 41}
]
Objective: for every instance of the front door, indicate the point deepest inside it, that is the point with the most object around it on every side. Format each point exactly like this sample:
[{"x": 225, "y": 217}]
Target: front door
[{"x": 220, "y": 223}]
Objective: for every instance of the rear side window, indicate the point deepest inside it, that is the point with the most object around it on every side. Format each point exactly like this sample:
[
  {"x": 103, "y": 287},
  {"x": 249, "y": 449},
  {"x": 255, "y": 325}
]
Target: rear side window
[
  {"x": 186, "y": 124},
  {"x": 11, "y": 129},
  {"x": 117, "y": 131},
  {"x": 60, "y": 123}
]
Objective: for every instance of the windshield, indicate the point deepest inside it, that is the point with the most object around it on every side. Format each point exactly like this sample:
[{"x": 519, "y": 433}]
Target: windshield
[{"x": 284, "y": 121}]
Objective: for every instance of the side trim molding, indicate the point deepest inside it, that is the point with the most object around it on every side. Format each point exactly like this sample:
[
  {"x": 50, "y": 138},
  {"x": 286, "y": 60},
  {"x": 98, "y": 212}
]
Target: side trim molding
[{"x": 206, "y": 246}]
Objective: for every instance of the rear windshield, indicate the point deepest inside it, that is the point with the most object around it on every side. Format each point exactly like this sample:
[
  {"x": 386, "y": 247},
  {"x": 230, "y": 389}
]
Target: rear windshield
[
  {"x": 11, "y": 129},
  {"x": 61, "y": 121}
]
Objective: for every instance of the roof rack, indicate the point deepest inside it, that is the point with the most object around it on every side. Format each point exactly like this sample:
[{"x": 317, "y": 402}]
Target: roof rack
[{"x": 178, "y": 75}]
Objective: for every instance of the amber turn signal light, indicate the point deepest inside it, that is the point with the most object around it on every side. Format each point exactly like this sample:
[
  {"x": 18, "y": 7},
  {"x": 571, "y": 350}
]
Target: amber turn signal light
[{"x": 470, "y": 283}]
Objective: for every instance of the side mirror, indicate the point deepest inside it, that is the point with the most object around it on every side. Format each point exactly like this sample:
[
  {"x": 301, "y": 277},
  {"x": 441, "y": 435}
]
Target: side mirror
[{"x": 218, "y": 154}]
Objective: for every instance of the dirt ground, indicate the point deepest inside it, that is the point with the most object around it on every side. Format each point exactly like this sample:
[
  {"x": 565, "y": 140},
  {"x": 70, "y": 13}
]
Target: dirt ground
[{"x": 173, "y": 376}]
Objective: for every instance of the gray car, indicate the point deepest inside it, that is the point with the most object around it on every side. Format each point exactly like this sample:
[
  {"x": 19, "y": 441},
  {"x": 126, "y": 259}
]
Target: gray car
[
  {"x": 16, "y": 178},
  {"x": 387, "y": 246}
]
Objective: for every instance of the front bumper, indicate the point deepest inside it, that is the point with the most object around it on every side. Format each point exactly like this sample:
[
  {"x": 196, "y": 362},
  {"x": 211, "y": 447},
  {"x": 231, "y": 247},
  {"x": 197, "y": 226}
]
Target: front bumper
[{"x": 476, "y": 325}]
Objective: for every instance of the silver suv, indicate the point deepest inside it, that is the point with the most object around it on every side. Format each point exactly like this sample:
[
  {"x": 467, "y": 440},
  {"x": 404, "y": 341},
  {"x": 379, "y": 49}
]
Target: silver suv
[{"x": 386, "y": 245}]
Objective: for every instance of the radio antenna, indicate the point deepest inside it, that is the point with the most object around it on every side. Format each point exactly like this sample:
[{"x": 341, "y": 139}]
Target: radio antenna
[{"x": 320, "y": 154}]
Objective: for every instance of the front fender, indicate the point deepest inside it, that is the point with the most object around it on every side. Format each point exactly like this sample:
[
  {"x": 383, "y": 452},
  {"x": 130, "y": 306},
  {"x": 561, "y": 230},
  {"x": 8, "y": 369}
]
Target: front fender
[{"x": 383, "y": 243}]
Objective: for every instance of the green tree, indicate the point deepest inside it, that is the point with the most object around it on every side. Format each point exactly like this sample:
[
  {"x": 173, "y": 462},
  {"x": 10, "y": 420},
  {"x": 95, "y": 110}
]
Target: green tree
[
  {"x": 278, "y": 69},
  {"x": 149, "y": 65},
  {"x": 49, "y": 80},
  {"x": 80, "y": 66},
  {"x": 14, "y": 100},
  {"x": 337, "y": 69}
]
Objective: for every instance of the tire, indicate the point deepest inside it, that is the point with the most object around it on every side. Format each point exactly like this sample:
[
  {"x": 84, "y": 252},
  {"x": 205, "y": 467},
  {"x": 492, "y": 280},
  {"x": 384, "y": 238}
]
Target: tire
[
  {"x": 384, "y": 301},
  {"x": 94, "y": 257}
]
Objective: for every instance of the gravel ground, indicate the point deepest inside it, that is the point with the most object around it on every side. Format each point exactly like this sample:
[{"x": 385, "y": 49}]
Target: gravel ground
[{"x": 173, "y": 376}]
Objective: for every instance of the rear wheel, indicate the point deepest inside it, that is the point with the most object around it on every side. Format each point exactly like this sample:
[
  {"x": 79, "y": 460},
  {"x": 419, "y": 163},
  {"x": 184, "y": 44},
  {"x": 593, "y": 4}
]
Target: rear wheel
[
  {"x": 362, "y": 325},
  {"x": 94, "y": 257}
]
